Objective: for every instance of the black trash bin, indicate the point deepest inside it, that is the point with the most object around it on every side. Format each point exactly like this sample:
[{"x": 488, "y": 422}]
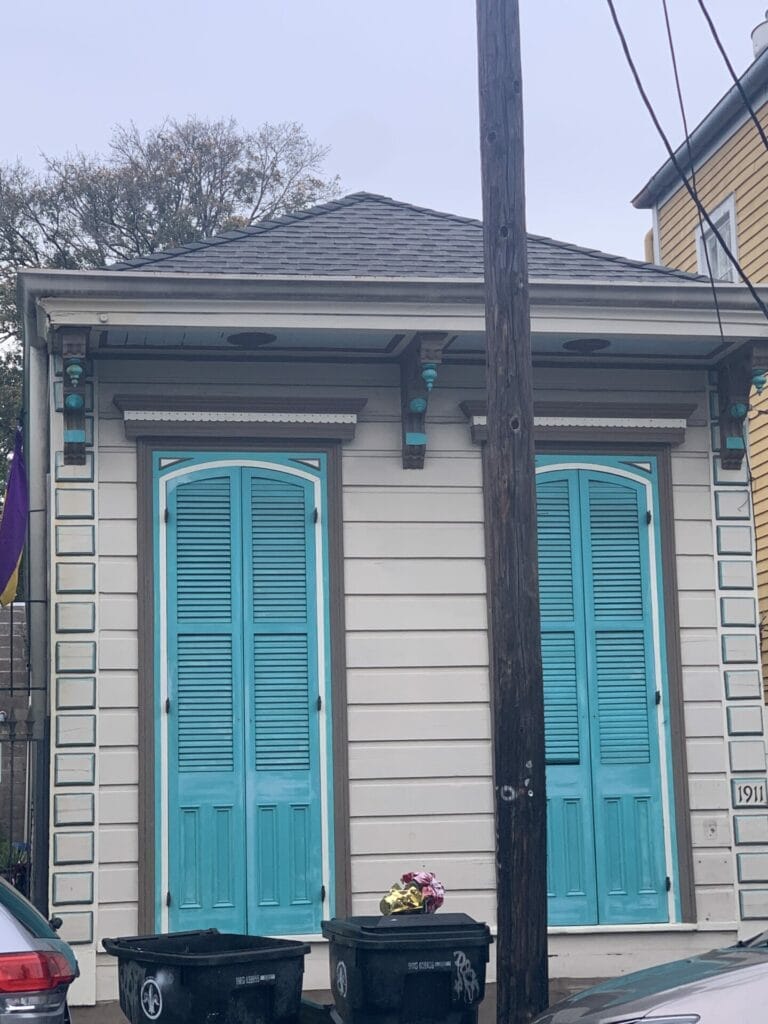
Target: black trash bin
[
  {"x": 406, "y": 969},
  {"x": 207, "y": 977}
]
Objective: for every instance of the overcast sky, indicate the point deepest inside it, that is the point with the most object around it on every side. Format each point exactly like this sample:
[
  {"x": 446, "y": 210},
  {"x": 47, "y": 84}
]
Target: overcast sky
[{"x": 389, "y": 85}]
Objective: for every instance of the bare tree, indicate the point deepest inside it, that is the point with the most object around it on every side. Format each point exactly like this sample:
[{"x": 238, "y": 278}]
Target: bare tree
[
  {"x": 153, "y": 190},
  {"x": 177, "y": 183}
]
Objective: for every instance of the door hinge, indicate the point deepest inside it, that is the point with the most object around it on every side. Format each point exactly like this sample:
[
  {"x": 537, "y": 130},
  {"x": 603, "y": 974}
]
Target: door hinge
[
  {"x": 322, "y": 894},
  {"x": 668, "y": 883},
  {"x": 168, "y": 899},
  {"x": 319, "y": 703},
  {"x": 166, "y": 515},
  {"x": 658, "y": 696},
  {"x": 315, "y": 515},
  {"x": 648, "y": 517},
  {"x": 167, "y": 705}
]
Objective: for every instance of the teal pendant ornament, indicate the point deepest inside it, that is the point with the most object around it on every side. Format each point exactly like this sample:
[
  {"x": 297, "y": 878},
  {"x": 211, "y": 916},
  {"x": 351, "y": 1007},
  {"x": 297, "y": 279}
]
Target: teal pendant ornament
[{"x": 429, "y": 375}]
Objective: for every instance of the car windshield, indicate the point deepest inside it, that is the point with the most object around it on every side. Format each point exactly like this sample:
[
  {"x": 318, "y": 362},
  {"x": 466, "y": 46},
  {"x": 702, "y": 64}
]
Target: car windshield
[{"x": 24, "y": 912}]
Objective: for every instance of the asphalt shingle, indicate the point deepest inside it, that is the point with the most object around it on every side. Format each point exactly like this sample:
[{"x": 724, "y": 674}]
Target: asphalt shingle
[{"x": 366, "y": 235}]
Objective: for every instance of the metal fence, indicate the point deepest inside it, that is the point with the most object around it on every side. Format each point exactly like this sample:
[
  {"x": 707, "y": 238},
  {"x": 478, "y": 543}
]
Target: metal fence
[{"x": 23, "y": 755}]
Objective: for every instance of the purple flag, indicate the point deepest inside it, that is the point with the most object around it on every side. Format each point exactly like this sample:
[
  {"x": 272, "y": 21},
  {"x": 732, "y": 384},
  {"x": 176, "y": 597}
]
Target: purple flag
[{"x": 13, "y": 524}]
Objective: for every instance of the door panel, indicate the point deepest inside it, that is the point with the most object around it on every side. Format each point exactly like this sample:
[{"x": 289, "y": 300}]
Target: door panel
[
  {"x": 570, "y": 871},
  {"x": 245, "y": 833},
  {"x": 205, "y": 692},
  {"x": 594, "y": 565},
  {"x": 620, "y": 644},
  {"x": 283, "y": 775}
]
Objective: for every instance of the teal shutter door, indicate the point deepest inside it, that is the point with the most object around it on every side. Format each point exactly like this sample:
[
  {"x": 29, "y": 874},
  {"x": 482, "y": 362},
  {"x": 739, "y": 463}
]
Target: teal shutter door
[
  {"x": 283, "y": 788},
  {"x": 206, "y": 806},
  {"x": 571, "y": 879},
  {"x": 606, "y": 833},
  {"x": 244, "y": 792},
  {"x": 625, "y": 756}
]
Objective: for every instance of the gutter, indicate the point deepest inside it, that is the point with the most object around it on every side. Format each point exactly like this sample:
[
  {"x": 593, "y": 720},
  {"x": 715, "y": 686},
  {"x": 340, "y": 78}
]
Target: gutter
[
  {"x": 729, "y": 109},
  {"x": 80, "y": 288}
]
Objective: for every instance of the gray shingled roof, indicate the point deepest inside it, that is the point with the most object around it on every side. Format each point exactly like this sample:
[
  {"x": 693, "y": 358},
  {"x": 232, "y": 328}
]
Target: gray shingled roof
[{"x": 366, "y": 235}]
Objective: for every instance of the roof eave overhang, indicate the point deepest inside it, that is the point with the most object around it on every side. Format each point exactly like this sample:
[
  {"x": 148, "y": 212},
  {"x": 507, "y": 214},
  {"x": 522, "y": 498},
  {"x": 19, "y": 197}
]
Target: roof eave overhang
[
  {"x": 51, "y": 299},
  {"x": 727, "y": 113}
]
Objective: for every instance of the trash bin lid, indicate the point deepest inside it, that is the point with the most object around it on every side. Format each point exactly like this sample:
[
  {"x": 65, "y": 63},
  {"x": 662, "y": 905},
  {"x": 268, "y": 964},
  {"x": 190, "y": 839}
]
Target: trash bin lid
[
  {"x": 209, "y": 948},
  {"x": 406, "y": 931}
]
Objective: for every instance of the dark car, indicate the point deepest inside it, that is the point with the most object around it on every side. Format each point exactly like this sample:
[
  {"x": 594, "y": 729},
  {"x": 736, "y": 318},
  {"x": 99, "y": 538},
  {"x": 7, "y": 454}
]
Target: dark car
[{"x": 36, "y": 966}]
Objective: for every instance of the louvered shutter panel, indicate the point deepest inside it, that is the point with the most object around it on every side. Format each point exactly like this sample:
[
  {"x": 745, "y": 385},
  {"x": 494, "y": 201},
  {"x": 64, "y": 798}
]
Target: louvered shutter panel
[
  {"x": 558, "y": 624},
  {"x": 281, "y": 680},
  {"x": 625, "y": 759},
  {"x": 570, "y": 859},
  {"x": 206, "y": 839},
  {"x": 615, "y": 512},
  {"x": 282, "y": 677}
]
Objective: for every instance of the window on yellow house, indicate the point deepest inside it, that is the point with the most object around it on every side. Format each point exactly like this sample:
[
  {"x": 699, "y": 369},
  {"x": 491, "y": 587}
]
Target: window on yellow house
[{"x": 712, "y": 258}]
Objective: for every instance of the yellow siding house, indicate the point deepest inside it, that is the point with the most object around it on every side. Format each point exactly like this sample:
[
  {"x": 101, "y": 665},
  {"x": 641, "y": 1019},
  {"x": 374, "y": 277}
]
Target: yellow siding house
[{"x": 728, "y": 163}]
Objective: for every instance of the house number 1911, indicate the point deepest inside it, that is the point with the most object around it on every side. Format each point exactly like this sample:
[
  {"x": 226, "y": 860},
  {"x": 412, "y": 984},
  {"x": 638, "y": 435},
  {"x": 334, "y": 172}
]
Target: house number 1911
[{"x": 749, "y": 793}]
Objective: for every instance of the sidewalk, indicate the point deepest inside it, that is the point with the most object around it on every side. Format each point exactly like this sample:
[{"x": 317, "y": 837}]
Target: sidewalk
[{"x": 109, "y": 1013}]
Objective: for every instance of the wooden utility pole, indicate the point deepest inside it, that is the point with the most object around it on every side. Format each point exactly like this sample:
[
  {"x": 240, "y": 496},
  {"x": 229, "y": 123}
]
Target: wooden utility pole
[{"x": 516, "y": 677}]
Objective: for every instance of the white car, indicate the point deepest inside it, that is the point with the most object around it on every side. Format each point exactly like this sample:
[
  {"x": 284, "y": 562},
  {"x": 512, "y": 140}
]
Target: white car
[{"x": 725, "y": 986}]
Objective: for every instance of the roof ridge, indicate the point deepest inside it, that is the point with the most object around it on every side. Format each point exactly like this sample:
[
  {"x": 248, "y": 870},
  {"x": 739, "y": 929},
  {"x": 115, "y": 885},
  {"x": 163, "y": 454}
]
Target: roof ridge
[{"x": 399, "y": 204}]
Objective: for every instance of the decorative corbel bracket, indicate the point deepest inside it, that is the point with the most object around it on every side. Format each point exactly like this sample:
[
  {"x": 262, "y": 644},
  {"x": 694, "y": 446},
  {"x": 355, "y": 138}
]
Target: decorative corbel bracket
[
  {"x": 418, "y": 373},
  {"x": 736, "y": 377},
  {"x": 74, "y": 349}
]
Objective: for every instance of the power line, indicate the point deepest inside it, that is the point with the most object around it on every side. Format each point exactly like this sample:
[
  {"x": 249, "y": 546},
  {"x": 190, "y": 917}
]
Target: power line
[
  {"x": 676, "y": 163},
  {"x": 734, "y": 76},
  {"x": 684, "y": 117}
]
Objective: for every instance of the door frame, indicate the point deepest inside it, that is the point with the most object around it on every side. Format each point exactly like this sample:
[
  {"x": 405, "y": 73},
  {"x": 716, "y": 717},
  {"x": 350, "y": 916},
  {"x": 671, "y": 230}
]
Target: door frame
[
  {"x": 649, "y": 483},
  {"x": 565, "y": 447},
  {"x": 151, "y": 914}
]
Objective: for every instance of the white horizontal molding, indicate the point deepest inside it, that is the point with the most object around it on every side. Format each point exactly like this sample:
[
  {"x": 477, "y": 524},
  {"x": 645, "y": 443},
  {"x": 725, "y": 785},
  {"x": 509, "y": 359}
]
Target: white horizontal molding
[
  {"x": 206, "y": 416},
  {"x": 664, "y": 424},
  {"x": 622, "y": 423},
  {"x": 332, "y": 418}
]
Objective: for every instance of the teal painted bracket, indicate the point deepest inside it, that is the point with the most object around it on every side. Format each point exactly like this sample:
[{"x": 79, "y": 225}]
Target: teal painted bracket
[
  {"x": 73, "y": 355},
  {"x": 418, "y": 375},
  {"x": 734, "y": 383}
]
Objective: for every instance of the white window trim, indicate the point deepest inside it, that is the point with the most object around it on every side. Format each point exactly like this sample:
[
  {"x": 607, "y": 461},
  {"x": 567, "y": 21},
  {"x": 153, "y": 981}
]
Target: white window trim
[{"x": 727, "y": 208}]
